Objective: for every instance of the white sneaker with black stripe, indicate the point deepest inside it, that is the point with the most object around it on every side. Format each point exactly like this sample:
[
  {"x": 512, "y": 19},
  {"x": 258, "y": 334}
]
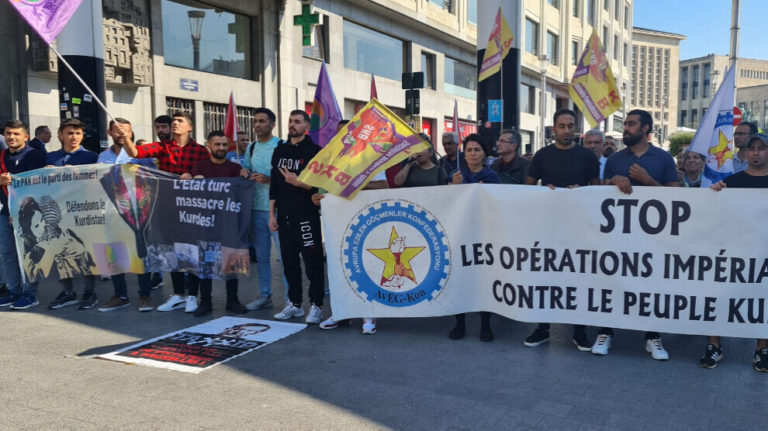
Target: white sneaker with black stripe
[{"x": 289, "y": 312}]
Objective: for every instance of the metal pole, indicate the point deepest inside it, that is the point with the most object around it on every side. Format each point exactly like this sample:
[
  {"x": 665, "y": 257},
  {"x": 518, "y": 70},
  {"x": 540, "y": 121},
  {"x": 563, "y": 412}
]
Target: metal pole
[
  {"x": 735, "y": 18},
  {"x": 542, "y": 100}
]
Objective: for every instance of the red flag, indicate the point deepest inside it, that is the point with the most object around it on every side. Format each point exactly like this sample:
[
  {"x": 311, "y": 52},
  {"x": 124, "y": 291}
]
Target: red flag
[
  {"x": 374, "y": 94},
  {"x": 230, "y": 124}
]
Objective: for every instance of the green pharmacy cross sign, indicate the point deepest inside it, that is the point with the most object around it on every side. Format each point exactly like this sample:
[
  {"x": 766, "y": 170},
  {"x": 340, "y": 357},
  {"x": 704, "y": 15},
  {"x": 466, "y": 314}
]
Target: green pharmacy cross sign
[{"x": 306, "y": 20}]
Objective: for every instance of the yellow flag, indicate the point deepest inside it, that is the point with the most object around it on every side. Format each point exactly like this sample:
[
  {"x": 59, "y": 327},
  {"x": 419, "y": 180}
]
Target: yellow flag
[
  {"x": 593, "y": 88},
  {"x": 498, "y": 46},
  {"x": 374, "y": 140}
]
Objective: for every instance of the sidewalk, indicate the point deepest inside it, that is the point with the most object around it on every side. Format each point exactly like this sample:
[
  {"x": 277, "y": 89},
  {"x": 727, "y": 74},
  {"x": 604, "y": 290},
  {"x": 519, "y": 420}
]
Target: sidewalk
[{"x": 408, "y": 375}]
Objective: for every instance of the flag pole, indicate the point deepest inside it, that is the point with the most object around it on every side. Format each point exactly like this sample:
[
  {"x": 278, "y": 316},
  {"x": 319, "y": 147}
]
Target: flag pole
[{"x": 80, "y": 80}]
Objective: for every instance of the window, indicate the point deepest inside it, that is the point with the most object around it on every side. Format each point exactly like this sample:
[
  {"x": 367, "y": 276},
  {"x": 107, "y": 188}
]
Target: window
[
  {"x": 624, "y": 59},
  {"x": 575, "y": 53},
  {"x": 173, "y": 104},
  {"x": 428, "y": 67},
  {"x": 576, "y": 8},
  {"x": 318, "y": 49},
  {"x": 684, "y": 84},
  {"x": 683, "y": 117},
  {"x": 472, "y": 11},
  {"x": 554, "y": 3},
  {"x": 695, "y": 83},
  {"x": 615, "y": 47},
  {"x": 215, "y": 116},
  {"x": 531, "y": 37},
  {"x": 553, "y": 49},
  {"x": 527, "y": 99},
  {"x": 626, "y": 16},
  {"x": 442, "y": 4},
  {"x": 606, "y": 4},
  {"x": 707, "y": 70},
  {"x": 694, "y": 118},
  {"x": 222, "y": 45},
  {"x": 617, "y": 10},
  {"x": 527, "y": 139},
  {"x": 591, "y": 13},
  {"x": 460, "y": 78},
  {"x": 372, "y": 52}
]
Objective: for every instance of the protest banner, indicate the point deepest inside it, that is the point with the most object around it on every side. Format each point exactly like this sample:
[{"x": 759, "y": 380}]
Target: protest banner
[
  {"x": 203, "y": 346},
  {"x": 113, "y": 219},
  {"x": 374, "y": 140},
  {"x": 593, "y": 88},
  {"x": 660, "y": 259}
]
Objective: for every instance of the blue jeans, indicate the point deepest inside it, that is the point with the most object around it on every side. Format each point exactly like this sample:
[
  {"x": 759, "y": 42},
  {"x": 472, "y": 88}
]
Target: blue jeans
[
  {"x": 121, "y": 288},
  {"x": 10, "y": 261},
  {"x": 263, "y": 237}
]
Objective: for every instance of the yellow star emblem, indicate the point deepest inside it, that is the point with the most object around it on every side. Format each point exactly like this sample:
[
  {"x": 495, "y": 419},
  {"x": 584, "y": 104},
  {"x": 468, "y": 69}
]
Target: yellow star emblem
[
  {"x": 722, "y": 151},
  {"x": 396, "y": 263}
]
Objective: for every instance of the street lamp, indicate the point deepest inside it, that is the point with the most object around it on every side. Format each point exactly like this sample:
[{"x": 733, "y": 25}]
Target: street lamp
[
  {"x": 542, "y": 99},
  {"x": 195, "y": 29}
]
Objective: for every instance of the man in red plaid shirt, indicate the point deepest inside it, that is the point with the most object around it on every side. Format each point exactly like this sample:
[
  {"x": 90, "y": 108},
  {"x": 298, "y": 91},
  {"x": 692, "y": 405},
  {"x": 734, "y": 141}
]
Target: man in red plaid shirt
[{"x": 176, "y": 156}]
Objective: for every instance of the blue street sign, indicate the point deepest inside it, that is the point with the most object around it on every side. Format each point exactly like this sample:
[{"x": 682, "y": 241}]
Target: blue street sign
[
  {"x": 188, "y": 84},
  {"x": 495, "y": 108}
]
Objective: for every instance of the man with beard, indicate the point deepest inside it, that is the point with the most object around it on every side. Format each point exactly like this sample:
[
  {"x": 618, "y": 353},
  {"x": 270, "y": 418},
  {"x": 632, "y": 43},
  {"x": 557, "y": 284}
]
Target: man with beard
[
  {"x": 163, "y": 127},
  {"x": 640, "y": 164},
  {"x": 297, "y": 219},
  {"x": 744, "y": 130},
  {"x": 566, "y": 165},
  {"x": 217, "y": 167}
]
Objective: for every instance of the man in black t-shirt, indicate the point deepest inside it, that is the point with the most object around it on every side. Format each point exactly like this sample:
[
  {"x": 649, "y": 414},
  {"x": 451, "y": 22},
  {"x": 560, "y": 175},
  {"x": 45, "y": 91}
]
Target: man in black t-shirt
[
  {"x": 753, "y": 177},
  {"x": 567, "y": 165}
]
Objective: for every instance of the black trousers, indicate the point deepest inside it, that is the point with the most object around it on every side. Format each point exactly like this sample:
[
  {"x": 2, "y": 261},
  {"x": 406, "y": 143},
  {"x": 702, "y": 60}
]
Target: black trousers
[
  {"x": 181, "y": 284},
  {"x": 300, "y": 236}
]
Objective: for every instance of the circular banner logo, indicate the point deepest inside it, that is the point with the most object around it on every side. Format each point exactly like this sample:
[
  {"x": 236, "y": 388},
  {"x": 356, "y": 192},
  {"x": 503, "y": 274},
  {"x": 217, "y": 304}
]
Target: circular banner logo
[{"x": 396, "y": 253}]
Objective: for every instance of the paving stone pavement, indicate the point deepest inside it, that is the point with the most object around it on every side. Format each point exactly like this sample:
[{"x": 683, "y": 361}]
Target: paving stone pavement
[{"x": 407, "y": 376}]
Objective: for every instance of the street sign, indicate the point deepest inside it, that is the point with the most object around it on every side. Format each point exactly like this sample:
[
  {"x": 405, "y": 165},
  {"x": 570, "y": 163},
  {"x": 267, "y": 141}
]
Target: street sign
[
  {"x": 495, "y": 108},
  {"x": 188, "y": 84},
  {"x": 736, "y": 116}
]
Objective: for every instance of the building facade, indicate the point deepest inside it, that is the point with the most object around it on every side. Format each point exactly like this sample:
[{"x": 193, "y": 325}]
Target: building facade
[
  {"x": 166, "y": 55},
  {"x": 654, "y": 78},
  {"x": 700, "y": 77},
  {"x": 154, "y": 65},
  {"x": 553, "y": 36},
  {"x": 753, "y": 103}
]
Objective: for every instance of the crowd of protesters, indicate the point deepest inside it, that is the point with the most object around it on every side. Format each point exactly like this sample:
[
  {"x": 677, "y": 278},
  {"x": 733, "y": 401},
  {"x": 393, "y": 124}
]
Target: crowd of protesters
[{"x": 286, "y": 212}]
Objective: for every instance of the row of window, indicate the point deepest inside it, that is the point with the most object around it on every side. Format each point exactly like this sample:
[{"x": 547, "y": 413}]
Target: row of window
[
  {"x": 214, "y": 115},
  {"x": 576, "y": 10},
  {"x": 753, "y": 74},
  {"x": 217, "y": 41},
  {"x": 450, "y": 6},
  {"x": 695, "y": 80},
  {"x": 553, "y": 45}
]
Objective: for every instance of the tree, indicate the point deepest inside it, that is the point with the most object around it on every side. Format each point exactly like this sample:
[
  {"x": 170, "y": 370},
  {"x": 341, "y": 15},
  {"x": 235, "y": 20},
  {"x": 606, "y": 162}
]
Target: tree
[{"x": 678, "y": 141}]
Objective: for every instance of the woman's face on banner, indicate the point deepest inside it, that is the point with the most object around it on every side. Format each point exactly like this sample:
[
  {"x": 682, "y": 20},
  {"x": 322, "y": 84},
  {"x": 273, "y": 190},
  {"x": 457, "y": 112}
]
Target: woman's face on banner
[{"x": 37, "y": 225}]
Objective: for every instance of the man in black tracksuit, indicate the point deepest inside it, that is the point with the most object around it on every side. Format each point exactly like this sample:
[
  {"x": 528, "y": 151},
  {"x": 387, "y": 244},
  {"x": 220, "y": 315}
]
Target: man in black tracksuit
[{"x": 297, "y": 220}]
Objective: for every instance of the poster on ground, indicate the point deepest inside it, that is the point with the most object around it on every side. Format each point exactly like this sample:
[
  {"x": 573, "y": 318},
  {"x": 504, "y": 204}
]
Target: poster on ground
[{"x": 203, "y": 346}]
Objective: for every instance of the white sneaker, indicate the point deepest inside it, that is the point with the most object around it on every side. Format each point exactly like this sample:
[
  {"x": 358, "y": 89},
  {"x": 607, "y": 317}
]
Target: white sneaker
[
  {"x": 329, "y": 323},
  {"x": 289, "y": 312},
  {"x": 175, "y": 302},
  {"x": 654, "y": 347},
  {"x": 369, "y": 326},
  {"x": 263, "y": 302},
  {"x": 191, "y": 305},
  {"x": 602, "y": 344},
  {"x": 315, "y": 315}
]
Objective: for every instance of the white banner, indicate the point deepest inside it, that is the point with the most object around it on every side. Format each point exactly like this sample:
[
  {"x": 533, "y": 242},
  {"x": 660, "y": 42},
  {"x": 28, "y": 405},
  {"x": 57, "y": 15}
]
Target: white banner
[{"x": 675, "y": 260}]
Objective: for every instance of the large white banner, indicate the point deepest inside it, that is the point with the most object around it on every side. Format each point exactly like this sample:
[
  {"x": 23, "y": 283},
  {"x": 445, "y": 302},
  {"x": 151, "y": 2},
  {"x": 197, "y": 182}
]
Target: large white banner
[{"x": 675, "y": 260}]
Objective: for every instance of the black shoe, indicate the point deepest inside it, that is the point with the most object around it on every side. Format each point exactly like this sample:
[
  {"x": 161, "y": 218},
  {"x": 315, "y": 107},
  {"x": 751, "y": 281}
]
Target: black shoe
[
  {"x": 203, "y": 309},
  {"x": 537, "y": 338},
  {"x": 4, "y": 291},
  {"x": 252, "y": 254},
  {"x": 157, "y": 280},
  {"x": 64, "y": 299},
  {"x": 236, "y": 307},
  {"x": 88, "y": 300},
  {"x": 760, "y": 361},
  {"x": 712, "y": 355},
  {"x": 580, "y": 340},
  {"x": 486, "y": 334},
  {"x": 457, "y": 332}
]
